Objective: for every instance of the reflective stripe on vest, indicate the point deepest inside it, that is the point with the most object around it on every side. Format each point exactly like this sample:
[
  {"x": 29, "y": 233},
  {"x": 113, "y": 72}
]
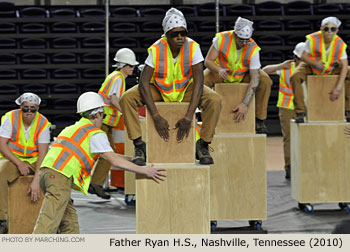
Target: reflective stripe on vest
[
  {"x": 71, "y": 155},
  {"x": 228, "y": 56},
  {"x": 198, "y": 130},
  {"x": 318, "y": 52},
  {"x": 285, "y": 93},
  {"x": 172, "y": 81},
  {"x": 112, "y": 113},
  {"x": 25, "y": 150}
]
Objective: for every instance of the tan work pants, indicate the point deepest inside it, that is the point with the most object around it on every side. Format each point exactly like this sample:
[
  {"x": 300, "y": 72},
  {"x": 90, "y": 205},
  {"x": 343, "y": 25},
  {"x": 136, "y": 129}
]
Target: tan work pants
[
  {"x": 57, "y": 211},
  {"x": 210, "y": 103},
  {"x": 285, "y": 116},
  {"x": 102, "y": 166},
  {"x": 8, "y": 174},
  {"x": 299, "y": 76},
  {"x": 262, "y": 93}
]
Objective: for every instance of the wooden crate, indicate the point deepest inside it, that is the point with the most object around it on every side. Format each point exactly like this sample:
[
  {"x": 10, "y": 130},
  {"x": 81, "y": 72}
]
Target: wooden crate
[
  {"x": 159, "y": 151},
  {"x": 232, "y": 95},
  {"x": 178, "y": 205},
  {"x": 238, "y": 177},
  {"x": 129, "y": 177},
  {"x": 22, "y": 211},
  {"x": 320, "y": 162},
  {"x": 319, "y": 107}
]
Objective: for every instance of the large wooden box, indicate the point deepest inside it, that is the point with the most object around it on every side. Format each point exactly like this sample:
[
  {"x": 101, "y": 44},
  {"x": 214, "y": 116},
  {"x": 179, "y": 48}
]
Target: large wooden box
[
  {"x": 159, "y": 151},
  {"x": 22, "y": 211},
  {"x": 178, "y": 205},
  {"x": 319, "y": 106},
  {"x": 320, "y": 162},
  {"x": 238, "y": 177},
  {"x": 232, "y": 95},
  {"x": 129, "y": 177}
]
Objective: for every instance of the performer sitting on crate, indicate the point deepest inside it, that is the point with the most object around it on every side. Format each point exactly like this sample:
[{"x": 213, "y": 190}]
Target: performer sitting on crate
[{"x": 324, "y": 54}]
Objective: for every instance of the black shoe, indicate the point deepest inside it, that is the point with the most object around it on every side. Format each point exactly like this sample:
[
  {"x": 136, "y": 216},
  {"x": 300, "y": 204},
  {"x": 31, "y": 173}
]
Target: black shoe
[
  {"x": 202, "y": 153},
  {"x": 98, "y": 190},
  {"x": 287, "y": 169},
  {"x": 347, "y": 116},
  {"x": 140, "y": 154},
  {"x": 260, "y": 127},
  {"x": 299, "y": 118},
  {"x": 3, "y": 227}
]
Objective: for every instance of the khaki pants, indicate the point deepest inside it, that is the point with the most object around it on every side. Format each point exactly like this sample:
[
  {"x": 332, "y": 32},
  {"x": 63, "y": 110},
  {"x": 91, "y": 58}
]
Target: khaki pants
[
  {"x": 57, "y": 211},
  {"x": 300, "y": 75},
  {"x": 285, "y": 116},
  {"x": 102, "y": 166},
  {"x": 210, "y": 103},
  {"x": 8, "y": 174},
  {"x": 262, "y": 93}
]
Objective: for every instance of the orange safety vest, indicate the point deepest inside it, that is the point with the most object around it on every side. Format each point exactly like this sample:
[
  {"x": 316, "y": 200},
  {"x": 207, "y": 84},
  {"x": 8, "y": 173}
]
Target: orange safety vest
[
  {"x": 172, "y": 80},
  {"x": 318, "y": 52},
  {"x": 112, "y": 113},
  {"x": 285, "y": 93},
  {"x": 228, "y": 56}
]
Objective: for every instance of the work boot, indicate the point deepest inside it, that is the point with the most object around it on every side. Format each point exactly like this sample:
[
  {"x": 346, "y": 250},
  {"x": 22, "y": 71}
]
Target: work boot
[
  {"x": 3, "y": 227},
  {"x": 202, "y": 153},
  {"x": 347, "y": 116},
  {"x": 98, "y": 190},
  {"x": 288, "y": 173},
  {"x": 140, "y": 154},
  {"x": 299, "y": 118},
  {"x": 260, "y": 127}
]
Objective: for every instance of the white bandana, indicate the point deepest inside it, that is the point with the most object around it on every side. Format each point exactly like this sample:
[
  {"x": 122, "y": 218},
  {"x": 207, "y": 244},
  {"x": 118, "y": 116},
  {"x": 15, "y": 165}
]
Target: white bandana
[
  {"x": 28, "y": 97},
  {"x": 96, "y": 110},
  {"x": 333, "y": 20},
  {"x": 243, "y": 28},
  {"x": 173, "y": 18}
]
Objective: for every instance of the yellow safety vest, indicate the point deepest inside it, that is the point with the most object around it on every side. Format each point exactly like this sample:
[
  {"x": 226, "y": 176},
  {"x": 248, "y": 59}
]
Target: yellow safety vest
[
  {"x": 70, "y": 154},
  {"x": 228, "y": 56},
  {"x": 285, "y": 93},
  {"x": 172, "y": 80},
  {"x": 112, "y": 113},
  {"x": 198, "y": 130},
  {"x": 25, "y": 150},
  {"x": 318, "y": 52}
]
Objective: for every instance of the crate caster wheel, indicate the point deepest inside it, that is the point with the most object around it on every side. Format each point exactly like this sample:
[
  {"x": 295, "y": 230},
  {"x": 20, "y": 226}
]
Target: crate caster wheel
[
  {"x": 129, "y": 199},
  {"x": 256, "y": 224},
  {"x": 213, "y": 225},
  {"x": 308, "y": 208}
]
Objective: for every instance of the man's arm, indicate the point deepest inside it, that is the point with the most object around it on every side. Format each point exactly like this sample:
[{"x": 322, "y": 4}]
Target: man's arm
[
  {"x": 120, "y": 162},
  {"x": 271, "y": 69},
  {"x": 306, "y": 58},
  {"x": 209, "y": 62},
  {"x": 160, "y": 123},
  {"x": 184, "y": 124},
  {"x": 23, "y": 167},
  {"x": 34, "y": 187},
  {"x": 115, "y": 102},
  {"x": 242, "y": 108},
  {"x": 335, "y": 93}
]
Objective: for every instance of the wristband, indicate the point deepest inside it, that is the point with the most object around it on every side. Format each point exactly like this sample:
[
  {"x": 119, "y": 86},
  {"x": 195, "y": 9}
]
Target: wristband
[{"x": 188, "y": 119}]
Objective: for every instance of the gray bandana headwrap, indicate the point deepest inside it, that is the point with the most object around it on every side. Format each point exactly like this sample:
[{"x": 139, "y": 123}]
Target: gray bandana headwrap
[
  {"x": 173, "y": 18},
  {"x": 243, "y": 28},
  {"x": 28, "y": 97},
  {"x": 333, "y": 20}
]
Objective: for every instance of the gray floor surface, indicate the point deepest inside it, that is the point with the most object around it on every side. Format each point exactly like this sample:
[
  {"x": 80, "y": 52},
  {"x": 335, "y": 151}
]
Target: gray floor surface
[{"x": 98, "y": 216}]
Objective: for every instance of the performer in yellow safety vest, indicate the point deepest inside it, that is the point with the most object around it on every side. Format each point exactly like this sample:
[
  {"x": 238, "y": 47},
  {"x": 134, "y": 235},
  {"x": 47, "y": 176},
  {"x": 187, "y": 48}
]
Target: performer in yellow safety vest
[
  {"x": 234, "y": 58},
  {"x": 69, "y": 164},
  {"x": 285, "y": 99},
  {"x": 324, "y": 54},
  {"x": 24, "y": 141},
  {"x": 173, "y": 72},
  {"x": 111, "y": 90}
]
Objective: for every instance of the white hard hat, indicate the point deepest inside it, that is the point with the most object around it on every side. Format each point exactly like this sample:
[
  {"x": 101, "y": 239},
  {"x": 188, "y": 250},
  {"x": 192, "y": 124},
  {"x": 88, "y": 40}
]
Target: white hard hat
[
  {"x": 88, "y": 101},
  {"x": 126, "y": 56},
  {"x": 299, "y": 49}
]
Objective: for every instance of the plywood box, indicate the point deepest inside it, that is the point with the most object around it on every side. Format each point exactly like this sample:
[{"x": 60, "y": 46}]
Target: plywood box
[
  {"x": 129, "y": 177},
  {"x": 319, "y": 107},
  {"x": 238, "y": 177},
  {"x": 320, "y": 162},
  {"x": 22, "y": 211},
  {"x": 159, "y": 151},
  {"x": 178, "y": 205},
  {"x": 233, "y": 94}
]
